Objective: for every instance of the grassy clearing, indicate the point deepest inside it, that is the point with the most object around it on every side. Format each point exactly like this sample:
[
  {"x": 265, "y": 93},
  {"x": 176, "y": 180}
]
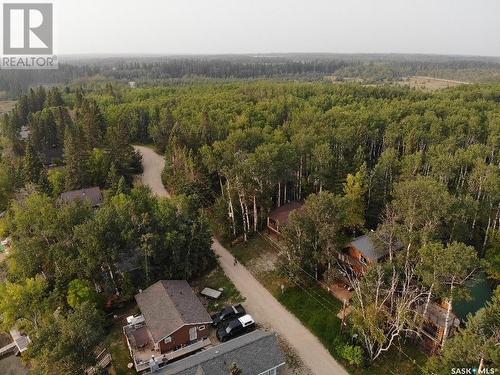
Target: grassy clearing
[
  {"x": 254, "y": 248},
  {"x": 6, "y": 105},
  {"x": 406, "y": 359},
  {"x": 217, "y": 279},
  {"x": 430, "y": 83},
  {"x": 317, "y": 310}
]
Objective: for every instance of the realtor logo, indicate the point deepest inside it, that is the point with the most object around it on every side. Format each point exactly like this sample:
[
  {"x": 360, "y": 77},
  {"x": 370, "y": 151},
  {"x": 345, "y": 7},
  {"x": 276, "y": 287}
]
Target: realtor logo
[
  {"x": 28, "y": 36},
  {"x": 27, "y": 29}
]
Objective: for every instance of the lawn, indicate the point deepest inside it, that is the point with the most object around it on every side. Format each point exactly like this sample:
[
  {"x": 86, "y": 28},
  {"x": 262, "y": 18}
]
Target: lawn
[
  {"x": 119, "y": 350},
  {"x": 317, "y": 310},
  {"x": 217, "y": 279},
  {"x": 254, "y": 248},
  {"x": 115, "y": 341},
  {"x": 405, "y": 359}
]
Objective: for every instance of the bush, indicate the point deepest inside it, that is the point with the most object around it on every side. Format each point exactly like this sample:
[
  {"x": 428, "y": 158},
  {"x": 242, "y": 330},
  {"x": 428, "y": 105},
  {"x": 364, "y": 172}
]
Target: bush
[
  {"x": 353, "y": 354},
  {"x": 80, "y": 291}
]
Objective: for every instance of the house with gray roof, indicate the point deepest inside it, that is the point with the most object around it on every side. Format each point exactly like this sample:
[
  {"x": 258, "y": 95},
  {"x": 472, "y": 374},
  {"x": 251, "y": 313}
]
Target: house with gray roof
[
  {"x": 364, "y": 250},
  {"x": 92, "y": 195},
  {"x": 173, "y": 323},
  {"x": 256, "y": 353}
]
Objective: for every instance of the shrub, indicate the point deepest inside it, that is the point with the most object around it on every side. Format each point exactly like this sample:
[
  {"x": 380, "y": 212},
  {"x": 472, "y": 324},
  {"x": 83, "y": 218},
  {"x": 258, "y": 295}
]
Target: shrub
[{"x": 353, "y": 354}]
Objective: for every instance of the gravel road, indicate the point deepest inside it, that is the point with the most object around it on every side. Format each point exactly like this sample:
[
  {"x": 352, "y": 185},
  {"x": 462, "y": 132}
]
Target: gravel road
[{"x": 259, "y": 302}]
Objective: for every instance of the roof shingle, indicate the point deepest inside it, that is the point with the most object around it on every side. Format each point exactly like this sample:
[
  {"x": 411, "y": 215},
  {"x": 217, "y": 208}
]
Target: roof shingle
[
  {"x": 93, "y": 195},
  {"x": 167, "y": 305},
  {"x": 253, "y": 353}
]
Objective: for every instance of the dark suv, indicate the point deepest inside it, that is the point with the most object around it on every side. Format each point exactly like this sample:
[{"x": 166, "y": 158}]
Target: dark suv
[
  {"x": 235, "y": 328},
  {"x": 228, "y": 313}
]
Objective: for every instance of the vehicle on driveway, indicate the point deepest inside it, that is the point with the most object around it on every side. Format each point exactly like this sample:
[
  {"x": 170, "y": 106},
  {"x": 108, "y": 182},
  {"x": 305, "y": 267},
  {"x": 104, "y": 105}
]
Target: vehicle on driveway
[
  {"x": 235, "y": 328},
  {"x": 228, "y": 313}
]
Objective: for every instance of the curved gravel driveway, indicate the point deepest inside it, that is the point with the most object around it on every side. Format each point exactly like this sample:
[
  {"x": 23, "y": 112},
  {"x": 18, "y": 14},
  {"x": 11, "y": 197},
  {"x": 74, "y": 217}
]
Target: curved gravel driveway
[{"x": 261, "y": 304}]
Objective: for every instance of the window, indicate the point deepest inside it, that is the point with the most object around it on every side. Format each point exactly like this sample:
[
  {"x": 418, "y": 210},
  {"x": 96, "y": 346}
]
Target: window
[
  {"x": 201, "y": 328},
  {"x": 167, "y": 340}
]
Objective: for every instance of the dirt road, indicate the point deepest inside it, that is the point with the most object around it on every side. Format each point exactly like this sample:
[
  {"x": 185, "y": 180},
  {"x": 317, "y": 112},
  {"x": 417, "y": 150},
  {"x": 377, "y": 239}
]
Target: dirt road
[
  {"x": 153, "y": 165},
  {"x": 260, "y": 303}
]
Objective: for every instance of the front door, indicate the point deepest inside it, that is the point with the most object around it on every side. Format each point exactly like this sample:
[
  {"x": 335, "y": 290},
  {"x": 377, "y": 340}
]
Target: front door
[{"x": 193, "y": 333}]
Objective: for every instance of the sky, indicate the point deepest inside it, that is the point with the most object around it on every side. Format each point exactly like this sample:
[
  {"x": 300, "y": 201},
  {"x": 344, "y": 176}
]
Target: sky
[{"x": 460, "y": 27}]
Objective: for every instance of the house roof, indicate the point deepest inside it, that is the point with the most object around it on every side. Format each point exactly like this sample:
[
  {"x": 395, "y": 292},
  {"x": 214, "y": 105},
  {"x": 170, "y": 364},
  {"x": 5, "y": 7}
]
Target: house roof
[
  {"x": 167, "y": 305},
  {"x": 281, "y": 213},
  {"x": 437, "y": 315},
  {"x": 92, "y": 194},
  {"x": 253, "y": 353},
  {"x": 368, "y": 248}
]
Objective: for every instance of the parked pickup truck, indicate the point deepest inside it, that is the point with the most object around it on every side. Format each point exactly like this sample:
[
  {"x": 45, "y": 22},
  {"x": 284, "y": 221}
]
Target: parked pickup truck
[
  {"x": 235, "y": 328},
  {"x": 228, "y": 313}
]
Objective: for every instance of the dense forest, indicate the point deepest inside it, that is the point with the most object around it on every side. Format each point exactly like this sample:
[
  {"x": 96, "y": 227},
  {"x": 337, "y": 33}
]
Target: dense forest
[
  {"x": 156, "y": 70},
  {"x": 69, "y": 263},
  {"x": 419, "y": 169}
]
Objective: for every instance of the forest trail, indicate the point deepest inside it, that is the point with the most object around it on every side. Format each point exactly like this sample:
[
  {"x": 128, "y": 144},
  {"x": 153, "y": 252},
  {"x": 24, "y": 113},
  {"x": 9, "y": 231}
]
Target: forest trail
[{"x": 259, "y": 302}]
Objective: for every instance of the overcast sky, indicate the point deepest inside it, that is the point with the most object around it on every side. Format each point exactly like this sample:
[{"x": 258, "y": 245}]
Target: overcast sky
[{"x": 469, "y": 27}]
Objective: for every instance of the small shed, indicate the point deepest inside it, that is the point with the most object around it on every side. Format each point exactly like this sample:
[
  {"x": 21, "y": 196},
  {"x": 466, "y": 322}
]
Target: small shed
[{"x": 211, "y": 293}]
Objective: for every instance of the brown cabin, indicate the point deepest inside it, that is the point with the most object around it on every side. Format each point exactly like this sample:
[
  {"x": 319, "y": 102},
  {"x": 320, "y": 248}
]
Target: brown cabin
[
  {"x": 279, "y": 217},
  {"x": 361, "y": 252},
  {"x": 173, "y": 323}
]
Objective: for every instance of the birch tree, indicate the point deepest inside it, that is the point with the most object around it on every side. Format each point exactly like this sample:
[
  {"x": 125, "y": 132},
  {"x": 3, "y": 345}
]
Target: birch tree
[{"x": 383, "y": 308}]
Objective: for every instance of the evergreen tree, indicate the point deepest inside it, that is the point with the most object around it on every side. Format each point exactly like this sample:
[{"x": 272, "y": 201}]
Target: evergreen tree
[
  {"x": 122, "y": 187},
  {"x": 113, "y": 179},
  {"x": 76, "y": 158},
  {"x": 90, "y": 118},
  {"x": 32, "y": 166},
  {"x": 54, "y": 98}
]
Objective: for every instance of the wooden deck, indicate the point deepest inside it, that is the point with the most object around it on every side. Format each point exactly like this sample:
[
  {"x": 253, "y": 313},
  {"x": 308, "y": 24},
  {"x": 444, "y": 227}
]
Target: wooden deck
[{"x": 7, "y": 349}]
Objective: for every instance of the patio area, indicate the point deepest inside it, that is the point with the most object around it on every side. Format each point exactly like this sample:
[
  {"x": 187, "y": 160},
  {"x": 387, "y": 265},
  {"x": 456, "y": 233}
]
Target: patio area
[{"x": 142, "y": 349}]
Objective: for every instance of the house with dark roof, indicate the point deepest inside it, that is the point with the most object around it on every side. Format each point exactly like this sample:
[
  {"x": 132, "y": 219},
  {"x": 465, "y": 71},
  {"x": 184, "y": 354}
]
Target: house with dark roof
[
  {"x": 279, "y": 217},
  {"x": 362, "y": 251},
  {"x": 92, "y": 195},
  {"x": 173, "y": 323},
  {"x": 256, "y": 353}
]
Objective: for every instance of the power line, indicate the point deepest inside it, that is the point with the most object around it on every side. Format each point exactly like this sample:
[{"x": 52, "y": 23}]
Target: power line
[
  {"x": 281, "y": 252},
  {"x": 318, "y": 295}
]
